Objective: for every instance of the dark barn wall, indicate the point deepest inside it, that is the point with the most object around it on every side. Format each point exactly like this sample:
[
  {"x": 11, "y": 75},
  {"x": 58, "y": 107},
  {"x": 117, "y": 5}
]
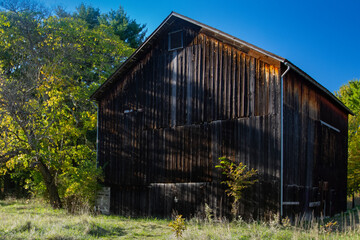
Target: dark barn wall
[
  {"x": 313, "y": 152},
  {"x": 164, "y": 125}
]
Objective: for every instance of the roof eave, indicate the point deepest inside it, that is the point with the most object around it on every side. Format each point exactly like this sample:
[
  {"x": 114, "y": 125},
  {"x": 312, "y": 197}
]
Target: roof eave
[{"x": 318, "y": 85}]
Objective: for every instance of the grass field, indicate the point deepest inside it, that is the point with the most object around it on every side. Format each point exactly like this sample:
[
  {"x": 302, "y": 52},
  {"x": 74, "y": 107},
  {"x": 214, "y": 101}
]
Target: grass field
[{"x": 34, "y": 219}]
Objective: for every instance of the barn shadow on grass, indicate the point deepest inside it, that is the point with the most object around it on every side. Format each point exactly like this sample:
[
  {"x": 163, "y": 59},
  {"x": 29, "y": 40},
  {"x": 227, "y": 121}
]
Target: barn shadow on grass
[{"x": 98, "y": 231}]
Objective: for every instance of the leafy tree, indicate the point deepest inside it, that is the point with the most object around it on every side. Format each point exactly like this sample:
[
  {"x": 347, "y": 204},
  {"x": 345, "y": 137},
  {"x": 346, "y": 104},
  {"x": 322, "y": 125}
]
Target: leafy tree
[
  {"x": 238, "y": 178},
  {"x": 349, "y": 94},
  {"x": 125, "y": 28},
  {"x": 49, "y": 65},
  {"x": 89, "y": 14},
  {"x": 178, "y": 226},
  {"x": 61, "y": 12}
]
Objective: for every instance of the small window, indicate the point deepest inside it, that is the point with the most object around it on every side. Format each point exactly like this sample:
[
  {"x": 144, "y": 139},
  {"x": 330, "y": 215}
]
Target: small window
[{"x": 175, "y": 40}]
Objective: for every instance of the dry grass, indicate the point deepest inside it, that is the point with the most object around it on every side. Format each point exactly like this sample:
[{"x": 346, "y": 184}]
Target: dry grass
[
  {"x": 335, "y": 228},
  {"x": 20, "y": 219}
]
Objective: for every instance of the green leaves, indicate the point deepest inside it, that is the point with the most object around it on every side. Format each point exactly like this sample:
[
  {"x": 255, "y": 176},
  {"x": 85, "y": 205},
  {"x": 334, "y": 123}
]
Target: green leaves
[
  {"x": 49, "y": 66},
  {"x": 238, "y": 177},
  {"x": 178, "y": 226},
  {"x": 125, "y": 29},
  {"x": 349, "y": 94}
]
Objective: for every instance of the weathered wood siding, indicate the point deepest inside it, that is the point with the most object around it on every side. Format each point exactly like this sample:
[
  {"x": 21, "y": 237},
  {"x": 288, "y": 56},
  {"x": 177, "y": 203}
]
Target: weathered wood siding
[
  {"x": 313, "y": 152},
  {"x": 164, "y": 125}
]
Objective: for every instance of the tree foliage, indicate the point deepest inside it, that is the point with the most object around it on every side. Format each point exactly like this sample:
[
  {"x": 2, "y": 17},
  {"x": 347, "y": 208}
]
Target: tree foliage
[
  {"x": 178, "y": 226},
  {"x": 121, "y": 24},
  {"x": 238, "y": 178},
  {"x": 89, "y": 14},
  {"x": 349, "y": 94},
  {"x": 49, "y": 66}
]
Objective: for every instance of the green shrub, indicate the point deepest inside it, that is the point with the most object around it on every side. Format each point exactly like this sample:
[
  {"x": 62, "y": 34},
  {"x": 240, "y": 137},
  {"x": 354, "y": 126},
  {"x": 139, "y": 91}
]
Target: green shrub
[
  {"x": 81, "y": 188},
  {"x": 238, "y": 178},
  {"x": 178, "y": 226}
]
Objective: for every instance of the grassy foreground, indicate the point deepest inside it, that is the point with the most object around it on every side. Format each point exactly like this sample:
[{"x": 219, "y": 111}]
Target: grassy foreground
[{"x": 20, "y": 219}]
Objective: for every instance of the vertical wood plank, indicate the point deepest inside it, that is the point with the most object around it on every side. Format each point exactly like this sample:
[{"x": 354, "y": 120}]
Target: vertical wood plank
[
  {"x": 173, "y": 81},
  {"x": 252, "y": 86},
  {"x": 212, "y": 106},
  {"x": 221, "y": 83},
  {"x": 238, "y": 84},
  {"x": 207, "y": 83},
  {"x": 243, "y": 86},
  {"x": 203, "y": 79},
  {"x": 267, "y": 89},
  {"x": 234, "y": 84},
  {"x": 189, "y": 56},
  {"x": 224, "y": 83},
  {"x": 216, "y": 80}
]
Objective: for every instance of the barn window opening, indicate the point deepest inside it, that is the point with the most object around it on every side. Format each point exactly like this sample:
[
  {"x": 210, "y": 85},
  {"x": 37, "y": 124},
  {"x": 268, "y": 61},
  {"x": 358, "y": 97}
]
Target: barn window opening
[{"x": 176, "y": 40}]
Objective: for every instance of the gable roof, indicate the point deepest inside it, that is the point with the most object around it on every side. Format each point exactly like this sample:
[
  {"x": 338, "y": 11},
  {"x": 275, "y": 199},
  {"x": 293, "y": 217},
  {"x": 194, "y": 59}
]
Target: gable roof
[{"x": 147, "y": 44}]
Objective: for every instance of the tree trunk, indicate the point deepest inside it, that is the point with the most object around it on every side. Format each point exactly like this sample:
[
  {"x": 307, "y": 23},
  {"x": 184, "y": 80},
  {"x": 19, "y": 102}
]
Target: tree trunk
[
  {"x": 51, "y": 187},
  {"x": 353, "y": 200}
]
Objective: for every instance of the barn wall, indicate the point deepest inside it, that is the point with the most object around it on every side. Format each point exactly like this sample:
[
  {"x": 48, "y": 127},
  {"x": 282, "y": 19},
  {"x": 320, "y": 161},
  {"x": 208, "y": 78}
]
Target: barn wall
[
  {"x": 313, "y": 152},
  {"x": 163, "y": 127}
]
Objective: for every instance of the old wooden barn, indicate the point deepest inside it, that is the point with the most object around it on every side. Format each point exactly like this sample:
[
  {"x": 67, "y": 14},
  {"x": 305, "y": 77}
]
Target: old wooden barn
[{"x": 191, "y": 94}]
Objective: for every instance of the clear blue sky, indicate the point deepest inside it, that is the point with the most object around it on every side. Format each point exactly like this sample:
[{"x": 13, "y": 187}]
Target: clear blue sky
[{"x": 320, "y": 37}]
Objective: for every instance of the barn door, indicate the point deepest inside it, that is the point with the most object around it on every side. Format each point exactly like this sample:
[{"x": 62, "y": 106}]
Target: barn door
[
  {"x": 168, "y": 199},
  {"x": 133, "y": 168},
  {"x": 327, "y": 167}
]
